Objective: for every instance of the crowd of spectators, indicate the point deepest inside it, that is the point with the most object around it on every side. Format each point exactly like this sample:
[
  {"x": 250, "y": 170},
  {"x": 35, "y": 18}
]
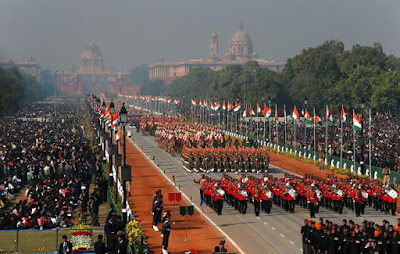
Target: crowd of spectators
[
  {"x": 55, "y": 160},
  {"x": 384, "y": 136}
]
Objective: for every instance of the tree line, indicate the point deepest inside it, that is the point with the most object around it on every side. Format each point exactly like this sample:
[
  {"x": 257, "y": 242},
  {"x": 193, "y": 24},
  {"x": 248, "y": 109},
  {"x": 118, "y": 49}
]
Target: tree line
[
  {"x": 18, "y": 90},
  {"x": 327, "y": 75}
]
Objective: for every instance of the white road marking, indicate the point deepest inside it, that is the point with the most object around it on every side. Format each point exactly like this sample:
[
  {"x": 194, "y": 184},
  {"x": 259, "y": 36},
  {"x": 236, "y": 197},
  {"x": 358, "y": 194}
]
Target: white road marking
[
  {"x": 197, "y": 208},
  {"x": 283, "y": 235},
  {"x": 266, "y": 223},
  {"x": 258, "y": 218},
  {"x": 273, "y": 228},
  {"x": 291, "y": 242},
  {"x": 301, "y": 250}
]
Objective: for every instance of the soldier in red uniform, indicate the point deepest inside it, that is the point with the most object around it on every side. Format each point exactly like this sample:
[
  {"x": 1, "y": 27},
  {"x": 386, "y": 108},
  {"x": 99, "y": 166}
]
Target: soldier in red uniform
[
  {"x": 257, "y": 199},
  {"x": 312, "y": 200}
]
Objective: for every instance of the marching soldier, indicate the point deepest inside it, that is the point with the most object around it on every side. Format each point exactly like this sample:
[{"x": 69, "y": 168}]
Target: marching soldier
[
  {"x": 201, "y": 183},
  {"x": 257, "y": 200},
  {"x": 312, "y": 200}
]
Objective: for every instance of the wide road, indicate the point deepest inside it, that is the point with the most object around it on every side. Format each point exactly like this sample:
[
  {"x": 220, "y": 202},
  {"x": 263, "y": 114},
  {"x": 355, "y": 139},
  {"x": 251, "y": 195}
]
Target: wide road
[{"x": 277, "y": 232}]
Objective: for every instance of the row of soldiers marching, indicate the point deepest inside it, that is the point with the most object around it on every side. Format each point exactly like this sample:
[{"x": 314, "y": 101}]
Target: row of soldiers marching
[
  {"x": 225, "y": 159},
  {"x": 310, "y": 192},
  {"x": 261, "y": 192},
  {"x": 352, "y": 193}
]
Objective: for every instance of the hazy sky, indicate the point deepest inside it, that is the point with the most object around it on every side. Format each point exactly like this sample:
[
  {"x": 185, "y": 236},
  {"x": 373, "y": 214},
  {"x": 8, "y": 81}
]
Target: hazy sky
[{"x": 130, "y": 33}]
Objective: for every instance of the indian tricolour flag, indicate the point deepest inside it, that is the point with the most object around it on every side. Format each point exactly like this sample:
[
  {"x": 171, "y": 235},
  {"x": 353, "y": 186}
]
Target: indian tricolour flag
[
  {"x": 356, "y": 122},
  {"x": 267, "y": 112},
  {"x": 119, "y": 134},
  {"x": 317, "y": 119},
  {"x": 295, "y": 114},
  {"x": 236, "y": 109},
  {"x": 245, "y": 112},
  {"x": 194, "y": 102},
  {"x": 258, "y": 109},
  {"x": 223, "y": 106},
  {"x": 251, "y": 112},
  {"x": 343, "y": 117},
  {"x": 276, "y": 115},
  {"x": 307, "y": 118},
  {"x": 329, "y": 116},
  {"x": 230, "y": 106},
  {"x": 216, "y": 106}
]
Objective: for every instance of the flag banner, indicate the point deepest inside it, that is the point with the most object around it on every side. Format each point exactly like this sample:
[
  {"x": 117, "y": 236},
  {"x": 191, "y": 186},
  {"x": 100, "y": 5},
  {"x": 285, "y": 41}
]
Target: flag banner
[
  {"x": 343, "y": 117},
  {"x": 267, "y": 112},
  {"x": 356, "y": 122},
  {"x": 295, "y": 114}
]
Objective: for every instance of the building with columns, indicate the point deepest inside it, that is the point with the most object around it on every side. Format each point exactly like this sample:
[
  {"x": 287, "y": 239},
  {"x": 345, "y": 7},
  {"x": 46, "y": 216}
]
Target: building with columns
[
  {"x": 240, "y": 51},
  {"x": 28, "y": 67},
  {"x": 91, "y": 73}
]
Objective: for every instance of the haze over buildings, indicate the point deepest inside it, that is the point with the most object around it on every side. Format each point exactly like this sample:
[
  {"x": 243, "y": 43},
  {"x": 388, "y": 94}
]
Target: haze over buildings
[{"x": 130, "y": 33}]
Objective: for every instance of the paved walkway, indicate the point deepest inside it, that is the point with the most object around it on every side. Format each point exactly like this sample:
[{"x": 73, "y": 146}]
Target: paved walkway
[
  {"x": 146, "y": 180},
  {"x": 278, "y": 232}
]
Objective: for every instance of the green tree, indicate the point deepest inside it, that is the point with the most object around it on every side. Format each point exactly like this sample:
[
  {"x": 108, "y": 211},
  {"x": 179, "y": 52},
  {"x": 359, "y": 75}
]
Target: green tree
[{"x": 140, "y": 74}]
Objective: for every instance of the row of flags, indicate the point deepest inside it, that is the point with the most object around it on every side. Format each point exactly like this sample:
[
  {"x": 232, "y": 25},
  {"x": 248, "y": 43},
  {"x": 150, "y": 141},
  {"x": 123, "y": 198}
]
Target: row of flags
[
  {"x": 267, "y": 113},
  {"x": 249, "y": 112},
  {"x": 112, "y": 120}
]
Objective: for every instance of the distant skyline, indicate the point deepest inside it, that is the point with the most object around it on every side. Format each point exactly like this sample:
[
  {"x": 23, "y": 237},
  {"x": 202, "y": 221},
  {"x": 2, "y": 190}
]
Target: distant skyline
[{"x": 134, "y": 32}]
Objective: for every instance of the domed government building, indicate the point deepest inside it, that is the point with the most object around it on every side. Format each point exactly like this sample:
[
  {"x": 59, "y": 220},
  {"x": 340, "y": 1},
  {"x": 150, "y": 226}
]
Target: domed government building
[
  {"x": 240, "y": 51},
  {"x": 91, "y": 75}
]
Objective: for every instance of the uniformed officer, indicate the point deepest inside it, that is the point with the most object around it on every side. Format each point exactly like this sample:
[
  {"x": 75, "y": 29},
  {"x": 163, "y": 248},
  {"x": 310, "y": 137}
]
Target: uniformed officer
[
  {"x": 165, "y": 232},
  {"x": 257, "y": 200},
  {"x": 156, "y": 211}
]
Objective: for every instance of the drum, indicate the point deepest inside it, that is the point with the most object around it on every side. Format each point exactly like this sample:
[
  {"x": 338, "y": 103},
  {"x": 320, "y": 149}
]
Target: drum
[
  {"x": 221, "y": 192},
  {"x": 293, "y": 193}
]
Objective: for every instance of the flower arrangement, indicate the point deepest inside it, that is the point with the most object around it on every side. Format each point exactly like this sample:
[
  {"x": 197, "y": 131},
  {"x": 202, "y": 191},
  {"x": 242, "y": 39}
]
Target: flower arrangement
[
  {"x": 81, "y": 238},
  {"x": 135, "y": 232}
]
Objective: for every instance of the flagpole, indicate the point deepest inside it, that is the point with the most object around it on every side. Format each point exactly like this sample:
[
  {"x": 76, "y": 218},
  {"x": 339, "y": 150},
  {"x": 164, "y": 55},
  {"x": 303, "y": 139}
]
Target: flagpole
[
  {"x": 284, "y": 110},
  {"x": 314, "y": 139},
  {"x": 277, "y": 125},
  {"x": 294, "y": 131},
  {"x": 369, "y": 144},
  {"x": 354, "y": 148},
  {"x": 326, "y": 135},
  {"x": 341, "y": 143}
]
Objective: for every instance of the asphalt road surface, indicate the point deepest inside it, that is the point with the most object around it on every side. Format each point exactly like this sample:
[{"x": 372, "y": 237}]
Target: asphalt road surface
[{"x": 277, "y": 232}]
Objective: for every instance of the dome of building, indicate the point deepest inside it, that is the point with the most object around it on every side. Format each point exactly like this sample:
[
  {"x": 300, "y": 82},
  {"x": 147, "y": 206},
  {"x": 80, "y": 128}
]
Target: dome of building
[
  {"x": 241, "y": 37},
  {"x": 91, "y": 60},
  {"x": 91, "y": 51},
  {"x": 241, "y": 47}
]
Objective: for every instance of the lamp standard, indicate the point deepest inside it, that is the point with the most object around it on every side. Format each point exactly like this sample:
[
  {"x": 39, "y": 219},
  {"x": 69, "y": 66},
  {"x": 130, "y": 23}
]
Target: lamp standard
[
  {"x": 305, "y": 124},
  {"x": 269, "y": 123},
  {"x": 112, "y": 111},
  {"x": 362, "y": 135},
  {"x": 124, "y": 120}
]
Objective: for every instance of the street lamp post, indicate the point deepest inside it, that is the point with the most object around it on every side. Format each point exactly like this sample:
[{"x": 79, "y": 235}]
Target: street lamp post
[
  {"x": 305, "y": 125},
  {"x": 124, "y": 120},
  {"x": 362, "y": 136},
  {"x": 112, "y": 110}
]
